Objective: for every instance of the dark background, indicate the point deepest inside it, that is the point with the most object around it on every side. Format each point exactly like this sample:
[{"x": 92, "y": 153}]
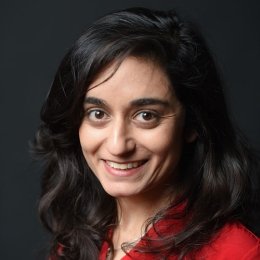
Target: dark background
[{"x": 34, "y": 37}]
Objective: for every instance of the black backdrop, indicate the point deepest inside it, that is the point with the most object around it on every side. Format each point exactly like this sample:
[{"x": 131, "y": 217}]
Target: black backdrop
[{"x": 34, "y": 37}]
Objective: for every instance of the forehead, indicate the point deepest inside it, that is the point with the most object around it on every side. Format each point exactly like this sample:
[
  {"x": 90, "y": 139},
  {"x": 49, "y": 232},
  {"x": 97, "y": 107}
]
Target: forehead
[{"x": 133, "y": 78}]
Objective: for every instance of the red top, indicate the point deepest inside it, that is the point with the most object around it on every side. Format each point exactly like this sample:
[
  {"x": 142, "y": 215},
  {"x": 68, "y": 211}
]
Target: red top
[{"x": 233, "y": 242}]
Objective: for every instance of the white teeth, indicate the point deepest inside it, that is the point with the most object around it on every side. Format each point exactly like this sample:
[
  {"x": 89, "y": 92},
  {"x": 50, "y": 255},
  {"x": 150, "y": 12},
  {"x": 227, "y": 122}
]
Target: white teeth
[{"x": 123, "y": 166}]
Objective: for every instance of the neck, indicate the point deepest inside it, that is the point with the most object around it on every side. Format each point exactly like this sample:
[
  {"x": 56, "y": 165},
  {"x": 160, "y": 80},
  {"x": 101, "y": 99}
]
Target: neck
[{"x": 134, "y": 211}]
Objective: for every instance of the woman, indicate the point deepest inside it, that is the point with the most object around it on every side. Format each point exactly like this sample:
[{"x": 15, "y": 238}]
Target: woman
[{"x": 141, "y": 159}]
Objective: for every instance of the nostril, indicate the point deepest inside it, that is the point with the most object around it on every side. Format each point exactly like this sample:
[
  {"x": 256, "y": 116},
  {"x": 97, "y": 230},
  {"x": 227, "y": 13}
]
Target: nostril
[{"x": 121, "y": 147}]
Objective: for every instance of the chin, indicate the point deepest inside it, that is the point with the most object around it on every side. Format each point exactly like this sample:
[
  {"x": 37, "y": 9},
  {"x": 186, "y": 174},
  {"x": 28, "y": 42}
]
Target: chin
[{"x": 121, "y": 192}]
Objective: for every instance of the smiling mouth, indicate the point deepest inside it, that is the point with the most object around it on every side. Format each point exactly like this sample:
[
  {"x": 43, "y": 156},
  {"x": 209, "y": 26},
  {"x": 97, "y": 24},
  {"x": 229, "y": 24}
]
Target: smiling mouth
[{"x": 125, "y": 166}]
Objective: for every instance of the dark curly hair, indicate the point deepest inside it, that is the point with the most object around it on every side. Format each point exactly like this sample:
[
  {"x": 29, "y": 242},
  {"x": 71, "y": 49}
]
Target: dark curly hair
[{"x": 215, "y": 168}]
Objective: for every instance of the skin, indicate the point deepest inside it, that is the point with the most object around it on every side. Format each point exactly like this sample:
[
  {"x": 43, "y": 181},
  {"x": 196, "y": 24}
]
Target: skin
[{"x": 132, "y": 136}]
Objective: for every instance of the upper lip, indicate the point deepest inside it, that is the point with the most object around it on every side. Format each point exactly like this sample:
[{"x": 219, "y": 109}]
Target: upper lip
[
  {"x": 126, "y": 162},
  {"x": 125, "y": 165}
]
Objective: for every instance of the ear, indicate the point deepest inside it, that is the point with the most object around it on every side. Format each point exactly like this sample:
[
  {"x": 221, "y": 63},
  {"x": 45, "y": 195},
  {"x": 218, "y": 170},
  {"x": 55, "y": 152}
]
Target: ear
[{"x": 190, "y": 135}]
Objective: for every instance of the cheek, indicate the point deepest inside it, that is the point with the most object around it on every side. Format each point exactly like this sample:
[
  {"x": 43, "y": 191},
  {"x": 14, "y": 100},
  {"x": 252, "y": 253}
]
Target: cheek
[
  {"x": 90, "y": 139},
  {"x": 90, "y": 142},
  {"x": 164, "y": 141}
]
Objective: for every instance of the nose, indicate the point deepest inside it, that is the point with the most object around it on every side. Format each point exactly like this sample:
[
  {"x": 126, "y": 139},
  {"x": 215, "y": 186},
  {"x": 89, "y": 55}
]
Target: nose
[{"x": 120, "y": 140}]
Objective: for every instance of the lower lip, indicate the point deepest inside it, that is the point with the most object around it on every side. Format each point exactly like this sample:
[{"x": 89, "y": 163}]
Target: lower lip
[{"x": 122, "y": 173}]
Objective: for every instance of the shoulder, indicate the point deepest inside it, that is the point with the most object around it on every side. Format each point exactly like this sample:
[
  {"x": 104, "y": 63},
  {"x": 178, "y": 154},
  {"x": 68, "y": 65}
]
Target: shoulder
[{"x": 233, "y": 241}]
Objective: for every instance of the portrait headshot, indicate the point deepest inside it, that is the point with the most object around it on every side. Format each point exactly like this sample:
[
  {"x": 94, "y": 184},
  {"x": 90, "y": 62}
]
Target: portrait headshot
[{"x": 135, "y": 131}]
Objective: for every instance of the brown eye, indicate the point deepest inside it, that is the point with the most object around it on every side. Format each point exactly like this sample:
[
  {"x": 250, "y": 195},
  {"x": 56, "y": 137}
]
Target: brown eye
[
  {"x": 99, "y": 114},
  {"x": 146, "y": 116},
  {"x": 96, "y": 115}
]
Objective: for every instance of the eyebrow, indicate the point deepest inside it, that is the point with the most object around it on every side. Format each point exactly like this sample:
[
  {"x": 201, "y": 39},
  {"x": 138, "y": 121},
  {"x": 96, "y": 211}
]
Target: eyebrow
[
  {"x": 137, "y": 102},
  {"x": 94, "y": 101},
  {"x": 149, "y": 101}
]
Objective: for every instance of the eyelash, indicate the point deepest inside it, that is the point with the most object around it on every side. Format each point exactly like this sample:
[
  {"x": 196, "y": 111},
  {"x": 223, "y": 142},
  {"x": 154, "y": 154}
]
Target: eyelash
[
  {"x": 90, "y": 111},
  {"x": 154, "y": 116}
]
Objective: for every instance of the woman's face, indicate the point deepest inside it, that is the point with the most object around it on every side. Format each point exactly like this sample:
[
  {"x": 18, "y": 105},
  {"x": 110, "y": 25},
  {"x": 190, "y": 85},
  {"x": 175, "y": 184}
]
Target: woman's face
[{"x": 132, "y": 131}]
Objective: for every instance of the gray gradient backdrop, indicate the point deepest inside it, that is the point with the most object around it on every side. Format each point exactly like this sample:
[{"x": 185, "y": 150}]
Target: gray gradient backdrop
[{"x": 34, "y": 37}]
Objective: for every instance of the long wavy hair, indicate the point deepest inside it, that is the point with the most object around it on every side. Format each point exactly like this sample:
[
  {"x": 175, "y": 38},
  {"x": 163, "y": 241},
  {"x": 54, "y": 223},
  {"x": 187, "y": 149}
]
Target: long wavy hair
[{"x": 214, "y": 169}]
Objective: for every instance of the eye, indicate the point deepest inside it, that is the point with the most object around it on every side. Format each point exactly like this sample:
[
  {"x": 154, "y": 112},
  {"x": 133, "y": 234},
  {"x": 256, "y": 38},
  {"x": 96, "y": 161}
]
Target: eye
[
  {"x": 97, "y": 115},
  {"x": 146, "y": 117}
]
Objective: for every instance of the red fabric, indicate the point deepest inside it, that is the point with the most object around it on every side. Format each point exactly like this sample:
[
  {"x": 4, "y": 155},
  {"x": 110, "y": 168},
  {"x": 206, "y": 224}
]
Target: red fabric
[{"x": 232, "y": 242}]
